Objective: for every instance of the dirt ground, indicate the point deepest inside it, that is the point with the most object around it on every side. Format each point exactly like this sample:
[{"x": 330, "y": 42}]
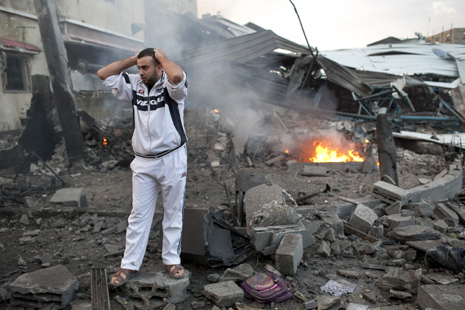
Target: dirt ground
[{"x": 108, "y": 193}]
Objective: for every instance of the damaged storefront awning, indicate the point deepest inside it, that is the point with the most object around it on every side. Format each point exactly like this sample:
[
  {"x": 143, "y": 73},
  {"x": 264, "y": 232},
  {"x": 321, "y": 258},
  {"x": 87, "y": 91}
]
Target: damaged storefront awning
[{"x": 12, "y": 45}]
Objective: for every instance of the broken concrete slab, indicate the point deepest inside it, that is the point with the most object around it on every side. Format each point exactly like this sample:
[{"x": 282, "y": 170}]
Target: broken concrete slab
[
  {"x": 440, "y": 189},
  {"x": 441, "y": 297},
  {"x": 289, "y": 254},
  {"x": 70, "y": 197},
  {"x": 50, "y": 286},
  {"x": 224, "y": 294}
]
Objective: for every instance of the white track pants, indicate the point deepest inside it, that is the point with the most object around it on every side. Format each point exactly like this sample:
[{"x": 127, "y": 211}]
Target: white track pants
[{"x": 167, "y": 173}]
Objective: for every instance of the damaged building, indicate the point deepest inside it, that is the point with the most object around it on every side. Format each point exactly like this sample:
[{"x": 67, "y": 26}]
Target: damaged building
[{"x": 340, "y": 171}]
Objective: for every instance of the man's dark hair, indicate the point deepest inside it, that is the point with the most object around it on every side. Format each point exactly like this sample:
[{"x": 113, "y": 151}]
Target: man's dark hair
[{"x": 148, "y": 52}]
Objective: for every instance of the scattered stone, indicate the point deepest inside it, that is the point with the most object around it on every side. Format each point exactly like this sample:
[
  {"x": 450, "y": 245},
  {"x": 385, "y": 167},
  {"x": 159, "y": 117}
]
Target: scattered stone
[
  {"x": 328, "y": 302},
  {"x": 324, "y": 249},
  {"x": 21, "y": 262},
  {"x": 352, "y": 274},
  {"x": 213, "y": 278},
  {"x": 24, "y": 219},
  {"x": 237, "y": 274},
  {"x": 403, "y": 295}
]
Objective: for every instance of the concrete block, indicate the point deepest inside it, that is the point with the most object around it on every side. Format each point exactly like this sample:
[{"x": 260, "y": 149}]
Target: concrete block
[
  {"x": 363, "y": 218},
  {"x": 266, "y": 240},
  {"x": 441, "y": 297},
  {"x": 289, "y": 254},
  {"x": 70, "y": 197},
  {"x": 158, "y": 286},
  {"x": 397, "y": 220},
  {"x": 445, "y": 213},
  {"x": 52, "y": 286},
  {"x": 224, "y": 294}
]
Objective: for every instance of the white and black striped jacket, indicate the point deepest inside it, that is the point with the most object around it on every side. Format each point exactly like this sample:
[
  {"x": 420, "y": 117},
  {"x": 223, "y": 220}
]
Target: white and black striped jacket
[{"x": 158, "y": 114}]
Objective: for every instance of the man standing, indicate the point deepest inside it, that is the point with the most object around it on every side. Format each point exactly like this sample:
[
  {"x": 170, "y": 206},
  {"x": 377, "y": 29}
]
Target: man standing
[{"x": 157, "y": 96}]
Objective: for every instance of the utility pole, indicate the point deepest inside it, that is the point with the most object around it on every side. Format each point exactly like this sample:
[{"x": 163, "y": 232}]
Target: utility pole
[{"x": 57, "y": 61}]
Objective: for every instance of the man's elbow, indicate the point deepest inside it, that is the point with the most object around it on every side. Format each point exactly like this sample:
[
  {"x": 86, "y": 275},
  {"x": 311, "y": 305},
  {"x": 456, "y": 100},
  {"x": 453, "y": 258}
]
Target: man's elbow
[
  {"x": 101, "y": 74},
  {"x": 177, "y": 78}
]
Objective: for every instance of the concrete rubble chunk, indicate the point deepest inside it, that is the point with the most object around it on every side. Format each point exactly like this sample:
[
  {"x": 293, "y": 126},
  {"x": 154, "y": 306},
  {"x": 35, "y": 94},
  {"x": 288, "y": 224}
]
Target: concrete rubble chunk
[
  {"x": 257, "y": 196},
  {"x": 363, "y": 218},
  {"x": 328, "y": 302},
  {"x": 152, "y": 287},
  {"x": 50, "y": 286},
  {"x": 420, "y": 209},
  {"x": 224, "y": 294},
  {"x": 441, "y": 297},
  {"x": 399, "y": 279},
  {"x": 237, "y": 274},
  {"x": 445, "y": 213},
  {"x": 289, "y": 254},
  {"x": 70, "y": 197},
  {"x": 397, "y": 220}
]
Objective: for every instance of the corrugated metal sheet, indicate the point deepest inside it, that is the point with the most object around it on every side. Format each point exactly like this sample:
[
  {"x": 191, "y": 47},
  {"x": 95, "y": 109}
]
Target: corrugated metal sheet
[
  {"x": 242, "y": 49},
  {"x": 405, "y": 59}
]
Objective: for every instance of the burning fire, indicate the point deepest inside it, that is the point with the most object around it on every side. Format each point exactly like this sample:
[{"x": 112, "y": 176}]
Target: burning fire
[
  {"x": 105, "y": 141},
  {"x": 215, "y": 111},
  {"x": 324, "y": 154}
]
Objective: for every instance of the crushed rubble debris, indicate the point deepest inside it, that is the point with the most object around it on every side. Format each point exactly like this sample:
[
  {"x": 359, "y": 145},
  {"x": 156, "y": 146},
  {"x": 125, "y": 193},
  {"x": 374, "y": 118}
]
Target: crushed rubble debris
[{"x": 338, "y": 232}]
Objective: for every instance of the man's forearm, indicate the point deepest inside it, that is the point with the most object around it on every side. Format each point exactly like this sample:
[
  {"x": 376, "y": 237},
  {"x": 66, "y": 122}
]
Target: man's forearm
[
  {"x": 174, "y": 72},
  {"x": 116, "y": 67}
]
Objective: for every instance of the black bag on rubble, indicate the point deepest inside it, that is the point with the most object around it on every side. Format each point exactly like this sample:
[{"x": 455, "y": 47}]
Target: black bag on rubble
[
  {"x": 266, "y": 287},
  {"x": 444, "y": 256}
]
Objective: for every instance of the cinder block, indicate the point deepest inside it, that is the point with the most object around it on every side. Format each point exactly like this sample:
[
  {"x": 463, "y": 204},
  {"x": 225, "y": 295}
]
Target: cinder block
[
  {"x": 363, "y": 218},
  {"x": 289, "y": 254},
  {"x": 266, "y": 240},
  {"x": 146, "y": 285},
  {"x": 224, "y": 294},
  {"x": 70, "y": 197}
]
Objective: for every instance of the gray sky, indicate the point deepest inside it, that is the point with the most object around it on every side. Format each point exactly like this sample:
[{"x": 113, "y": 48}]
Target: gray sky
[{"x": 336, "y": 24}]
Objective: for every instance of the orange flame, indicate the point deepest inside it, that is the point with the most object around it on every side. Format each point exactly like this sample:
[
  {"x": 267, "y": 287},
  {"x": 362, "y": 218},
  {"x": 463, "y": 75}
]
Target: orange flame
[
  {"x": 105, "y": 141},
  {"x": 324, "y": 154},
  {"x": 215, "y": 111}
]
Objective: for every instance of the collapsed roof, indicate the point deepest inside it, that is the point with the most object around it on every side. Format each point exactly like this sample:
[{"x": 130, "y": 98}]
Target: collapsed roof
[{"x": 248, "y": 59}]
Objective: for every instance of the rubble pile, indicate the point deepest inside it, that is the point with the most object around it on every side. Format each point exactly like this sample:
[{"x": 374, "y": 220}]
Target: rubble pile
[{"x": 341, "y": 237}]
